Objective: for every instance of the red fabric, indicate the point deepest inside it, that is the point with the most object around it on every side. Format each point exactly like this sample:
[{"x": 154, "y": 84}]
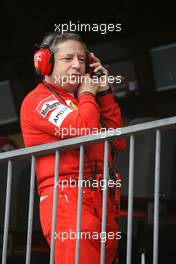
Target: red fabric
[
  {"x": 37, "y": 129},
  {"x": 65, "y": 236},
  {"x": 43, "y": 115}
]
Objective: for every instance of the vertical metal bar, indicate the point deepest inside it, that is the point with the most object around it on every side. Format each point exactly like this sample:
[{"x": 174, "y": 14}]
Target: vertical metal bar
[
  {"x": 156, "y": 197},
  {"x": 130, "y": 201},
  {"x": 143, "y": 258},
  {"x": 30, "y": 215},
  {"x": 79, "y": 210},
  {"x": 55, "y": 199},
  {"x": 104, "y": 207},
  {"x": 7, "y": 212}
]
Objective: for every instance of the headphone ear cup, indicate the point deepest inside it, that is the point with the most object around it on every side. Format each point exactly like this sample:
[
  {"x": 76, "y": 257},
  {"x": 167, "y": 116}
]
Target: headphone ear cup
[{"x": 44, "y": 61}]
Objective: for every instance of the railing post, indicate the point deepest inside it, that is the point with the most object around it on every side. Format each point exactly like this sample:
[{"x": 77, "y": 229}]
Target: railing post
[
  {"x": 55, "y": 199},
  {"x": 79, "y": 210},
  {"x": 156, "y": 197},
  {"x": 104, "y": 206},
  {"x": 130, "y": 201},
  {"x": 30, "y": 215},
  {"x": 7, "y": 212}
]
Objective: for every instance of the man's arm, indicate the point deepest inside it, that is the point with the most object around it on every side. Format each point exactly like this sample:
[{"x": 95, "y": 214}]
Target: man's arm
[
  {"x": 110, "y": 113},
  {"x": 60, "y": 120}
]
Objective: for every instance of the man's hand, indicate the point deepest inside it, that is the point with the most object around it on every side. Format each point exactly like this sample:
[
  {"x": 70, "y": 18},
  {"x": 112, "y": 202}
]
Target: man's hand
[
  {"x": 99, "y": 67},
  {"x": 87, "y": 85}
]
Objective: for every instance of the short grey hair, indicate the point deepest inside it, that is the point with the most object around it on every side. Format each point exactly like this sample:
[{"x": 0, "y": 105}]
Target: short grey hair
[{"x": 51, "y": 40}]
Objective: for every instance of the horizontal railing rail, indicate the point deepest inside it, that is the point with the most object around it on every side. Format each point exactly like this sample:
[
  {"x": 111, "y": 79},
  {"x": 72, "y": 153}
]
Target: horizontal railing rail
[
  {"x": 88, "y": 139},
  {"x": 80, "y": 142}
]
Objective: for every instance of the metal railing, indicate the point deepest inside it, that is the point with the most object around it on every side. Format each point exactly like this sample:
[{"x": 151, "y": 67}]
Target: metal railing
[{"x": 33, "y": 152}]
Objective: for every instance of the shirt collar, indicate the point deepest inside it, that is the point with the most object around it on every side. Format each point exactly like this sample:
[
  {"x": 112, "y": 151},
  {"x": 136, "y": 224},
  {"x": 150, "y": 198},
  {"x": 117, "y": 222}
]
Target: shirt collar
[{"x": 61, "y": 91}]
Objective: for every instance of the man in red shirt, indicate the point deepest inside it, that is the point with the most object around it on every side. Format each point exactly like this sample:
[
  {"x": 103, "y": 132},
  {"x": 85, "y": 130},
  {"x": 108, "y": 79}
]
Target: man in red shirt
[{"x": 65, "y": 105}]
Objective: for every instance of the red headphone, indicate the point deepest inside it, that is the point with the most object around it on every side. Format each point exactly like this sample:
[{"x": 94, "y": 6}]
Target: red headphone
[{"x": 44, "y": 57}]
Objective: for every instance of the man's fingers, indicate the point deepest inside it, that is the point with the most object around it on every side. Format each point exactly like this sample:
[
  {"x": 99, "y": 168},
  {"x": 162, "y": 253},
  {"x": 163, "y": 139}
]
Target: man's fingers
[
  {"x": 94, "y": 57},
  {"x": 102, "y": 69},
  {"x": 94, "y": 64}
]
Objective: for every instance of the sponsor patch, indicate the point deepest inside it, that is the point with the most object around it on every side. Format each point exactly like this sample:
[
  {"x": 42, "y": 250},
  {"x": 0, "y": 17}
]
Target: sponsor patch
[
  {"x": 46, "y": 105},
  {"x": 71, "y": 104},
  {"x": 59, "y": 114}
]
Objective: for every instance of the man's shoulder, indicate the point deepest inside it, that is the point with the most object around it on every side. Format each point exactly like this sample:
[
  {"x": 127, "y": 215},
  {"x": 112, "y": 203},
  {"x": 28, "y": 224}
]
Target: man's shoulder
[{"x": 38, "y": 94}]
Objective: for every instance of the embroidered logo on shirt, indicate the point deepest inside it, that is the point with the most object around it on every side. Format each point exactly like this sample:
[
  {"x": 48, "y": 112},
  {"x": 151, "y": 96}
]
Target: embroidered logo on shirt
[
  {"x": 59, "y": 114},
  {"x": 71, "y": 104},
  {"x": 46, "y": 105}
]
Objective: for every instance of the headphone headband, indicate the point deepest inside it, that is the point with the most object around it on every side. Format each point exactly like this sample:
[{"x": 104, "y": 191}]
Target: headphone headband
[{"x": 48, "y": 40}]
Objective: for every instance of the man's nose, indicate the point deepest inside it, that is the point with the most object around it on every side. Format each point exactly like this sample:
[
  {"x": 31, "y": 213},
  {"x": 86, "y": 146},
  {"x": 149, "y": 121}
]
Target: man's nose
[{"x": 75, "y": 63}]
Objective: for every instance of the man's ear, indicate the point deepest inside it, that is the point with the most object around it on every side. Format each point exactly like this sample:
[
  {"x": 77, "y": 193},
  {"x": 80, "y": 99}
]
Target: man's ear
[{"x": 88, "y": 61}]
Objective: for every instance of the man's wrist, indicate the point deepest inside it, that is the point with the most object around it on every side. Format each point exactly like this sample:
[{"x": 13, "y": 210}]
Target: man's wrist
[
  {"x": 104, "y": 92},
  {"x": 86, "y": 92}
]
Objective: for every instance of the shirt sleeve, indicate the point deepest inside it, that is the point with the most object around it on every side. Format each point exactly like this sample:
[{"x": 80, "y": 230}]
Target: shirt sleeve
[{"x": 111, "y": 116}]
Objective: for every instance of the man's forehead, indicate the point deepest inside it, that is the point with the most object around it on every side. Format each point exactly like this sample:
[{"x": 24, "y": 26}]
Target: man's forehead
[{"x": 70, "y": 47}]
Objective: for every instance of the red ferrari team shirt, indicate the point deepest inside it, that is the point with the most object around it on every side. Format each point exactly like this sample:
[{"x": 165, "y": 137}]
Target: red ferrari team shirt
[{"x": 48, "y": 117}]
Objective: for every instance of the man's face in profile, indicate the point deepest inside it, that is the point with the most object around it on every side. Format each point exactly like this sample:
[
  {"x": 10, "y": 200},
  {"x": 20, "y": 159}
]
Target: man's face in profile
[{"x": 69, "y": 65}]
